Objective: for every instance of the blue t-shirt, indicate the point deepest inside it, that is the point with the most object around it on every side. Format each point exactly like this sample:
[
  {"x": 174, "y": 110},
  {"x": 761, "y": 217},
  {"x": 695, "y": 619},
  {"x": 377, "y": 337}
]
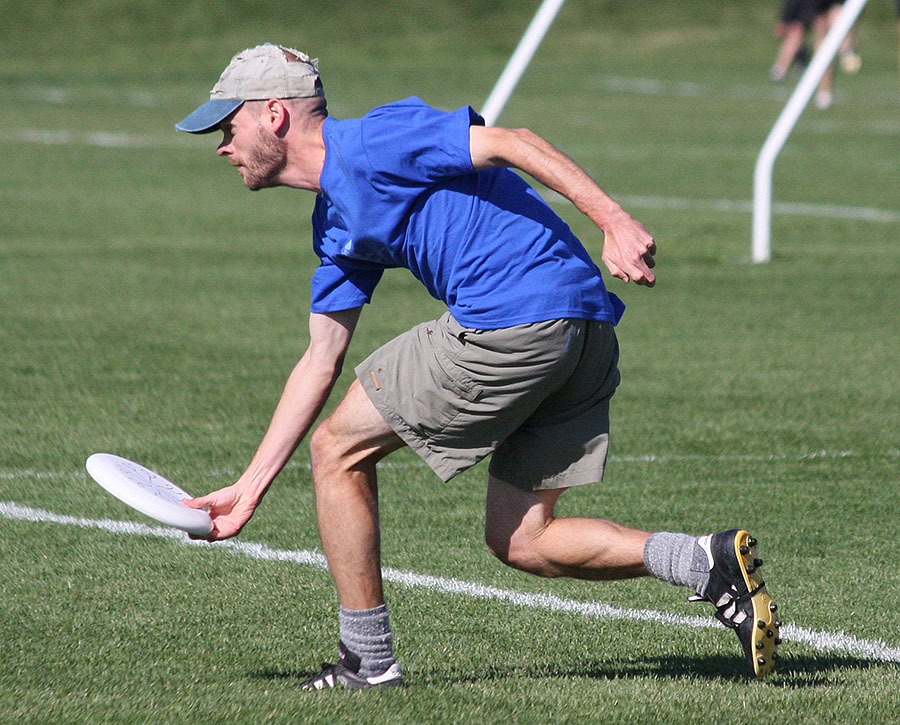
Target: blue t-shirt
[{"x": 399, "y": 190}]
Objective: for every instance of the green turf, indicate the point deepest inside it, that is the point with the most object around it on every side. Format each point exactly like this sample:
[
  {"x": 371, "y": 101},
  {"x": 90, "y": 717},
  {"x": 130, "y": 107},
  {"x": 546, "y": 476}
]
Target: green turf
[{"x": 152, "y": 307}]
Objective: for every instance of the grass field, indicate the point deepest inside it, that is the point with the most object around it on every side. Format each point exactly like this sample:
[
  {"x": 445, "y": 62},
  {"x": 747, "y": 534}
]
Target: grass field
[{"x": 152, "y": 307}]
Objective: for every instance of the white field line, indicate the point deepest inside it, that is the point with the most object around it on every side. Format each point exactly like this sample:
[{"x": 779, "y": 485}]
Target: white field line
[
  {"x": 101, "y": 139},
  {"x": 729, "y": 206},
  {"x": 33, "y": 474},
  {"x": 732, "y": 206},
  {"x": 628, "y": 85},
  {"x": 789, "y": 208},
  {"x": 876, "y": 650}
]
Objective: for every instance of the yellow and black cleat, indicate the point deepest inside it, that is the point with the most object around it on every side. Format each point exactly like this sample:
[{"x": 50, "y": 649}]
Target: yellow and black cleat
[{"x": 742, "y": 602}]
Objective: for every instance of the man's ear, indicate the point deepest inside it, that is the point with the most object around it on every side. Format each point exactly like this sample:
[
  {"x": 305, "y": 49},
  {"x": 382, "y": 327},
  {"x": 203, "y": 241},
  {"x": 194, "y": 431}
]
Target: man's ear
[{"x": 275, "y": 115}]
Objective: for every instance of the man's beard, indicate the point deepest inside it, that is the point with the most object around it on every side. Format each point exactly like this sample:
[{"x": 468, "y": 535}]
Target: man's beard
[{"x": 265, "y": 161}]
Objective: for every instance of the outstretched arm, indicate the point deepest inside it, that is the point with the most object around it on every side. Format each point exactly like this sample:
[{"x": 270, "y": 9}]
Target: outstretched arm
[
  {"x": 304, "y": 395},
  {"x": 628, "y": 248}
]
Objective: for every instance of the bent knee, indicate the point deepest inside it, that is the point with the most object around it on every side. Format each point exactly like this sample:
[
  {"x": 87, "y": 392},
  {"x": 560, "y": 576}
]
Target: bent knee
[
  {"x": 518, "y": 551},
  {"x": 324, "y": 447}
]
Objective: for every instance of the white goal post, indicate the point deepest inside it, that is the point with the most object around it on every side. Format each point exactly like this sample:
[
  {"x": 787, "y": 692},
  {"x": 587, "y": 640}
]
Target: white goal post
[
  {"x": 765, "y": 162},
  {"x": 520, "y": 59},
  {"x": 762, "y": 178}
]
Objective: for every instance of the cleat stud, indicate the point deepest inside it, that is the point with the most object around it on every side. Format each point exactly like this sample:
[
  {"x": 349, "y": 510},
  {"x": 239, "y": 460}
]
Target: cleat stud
[
  {"x": 745, "y": 549},
  {"x": 760, "y": 644},
  {"x": 761, "y": 624},
  {"x": 773, "y": 607},
  {"x": 761, "y": 661},
  {"x": 757, "y": 563},
  {"x": 770, "y": 634},
  {"x": 751, "y": 569},
  {"x": 777, "y": 641},
  {"x": 751, "y": 542},
  {"x": 778, "y": 623},
  {"x": 775, "y": 655}
]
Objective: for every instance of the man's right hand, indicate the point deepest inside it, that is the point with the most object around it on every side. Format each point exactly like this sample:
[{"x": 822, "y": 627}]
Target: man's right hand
[{"x": 229, "y": 508}]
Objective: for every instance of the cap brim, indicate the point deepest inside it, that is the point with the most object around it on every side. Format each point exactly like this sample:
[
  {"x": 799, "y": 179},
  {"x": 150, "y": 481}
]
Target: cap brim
[{"x": 208, "y": 116}]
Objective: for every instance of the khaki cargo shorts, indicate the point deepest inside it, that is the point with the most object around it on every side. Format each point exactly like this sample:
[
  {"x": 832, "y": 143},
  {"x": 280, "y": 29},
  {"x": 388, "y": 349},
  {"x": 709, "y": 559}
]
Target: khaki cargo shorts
[{"x": 535, "y": 396}]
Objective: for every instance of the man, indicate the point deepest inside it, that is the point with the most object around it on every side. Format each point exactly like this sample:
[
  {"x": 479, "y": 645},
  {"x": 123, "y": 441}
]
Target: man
[{"x": 521, "y": 367}]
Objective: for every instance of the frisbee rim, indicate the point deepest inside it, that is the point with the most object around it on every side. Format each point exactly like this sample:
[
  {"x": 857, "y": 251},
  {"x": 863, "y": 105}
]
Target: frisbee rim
[{"x": 105, "y": 469}]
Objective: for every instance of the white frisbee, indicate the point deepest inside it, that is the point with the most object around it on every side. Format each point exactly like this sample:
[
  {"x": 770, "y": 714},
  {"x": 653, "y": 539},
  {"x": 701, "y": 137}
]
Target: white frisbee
[{"x": 148, "y": 492}]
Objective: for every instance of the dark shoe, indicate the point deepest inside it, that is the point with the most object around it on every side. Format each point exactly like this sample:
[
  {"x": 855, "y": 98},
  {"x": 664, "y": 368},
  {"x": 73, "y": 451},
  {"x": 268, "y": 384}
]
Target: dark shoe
[
  {"x": 740, "y": 596},
  {"x": 345, "y": 674}
]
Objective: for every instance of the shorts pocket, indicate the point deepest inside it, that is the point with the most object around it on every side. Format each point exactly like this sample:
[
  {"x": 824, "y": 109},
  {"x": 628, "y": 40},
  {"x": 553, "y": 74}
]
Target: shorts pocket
[{"x": 456, "y": 379}]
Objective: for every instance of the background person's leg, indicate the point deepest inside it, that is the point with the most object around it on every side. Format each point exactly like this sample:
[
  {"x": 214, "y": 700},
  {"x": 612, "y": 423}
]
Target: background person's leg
[{"x": 793, "y": 40}]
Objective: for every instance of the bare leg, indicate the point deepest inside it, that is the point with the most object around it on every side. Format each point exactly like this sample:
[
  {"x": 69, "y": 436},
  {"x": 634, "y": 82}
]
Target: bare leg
[
  {"x": 522, "y": 531},
  {"x": 823, "y": 23},
  {"x": 793, "y": 40},
  {"x": 345, "y": 449}
]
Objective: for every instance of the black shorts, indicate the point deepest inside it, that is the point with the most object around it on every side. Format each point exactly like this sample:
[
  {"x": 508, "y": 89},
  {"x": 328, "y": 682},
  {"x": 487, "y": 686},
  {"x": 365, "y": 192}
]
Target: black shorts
[{"x": 806, "y": 11}]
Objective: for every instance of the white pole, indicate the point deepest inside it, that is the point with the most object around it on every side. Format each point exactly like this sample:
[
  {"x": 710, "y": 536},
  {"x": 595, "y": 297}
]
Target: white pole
[
  {"x": 520, "y": 59},
  {"x": 762, "y": 177}
]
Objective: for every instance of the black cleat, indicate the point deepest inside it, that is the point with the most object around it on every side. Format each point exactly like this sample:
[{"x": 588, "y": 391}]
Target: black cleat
[
  {"x": 345, "y": 674},
  {"x": 740, "y": 596}
]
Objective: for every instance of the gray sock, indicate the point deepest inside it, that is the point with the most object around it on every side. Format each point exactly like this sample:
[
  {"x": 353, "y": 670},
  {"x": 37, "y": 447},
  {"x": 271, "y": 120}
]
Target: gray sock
[
  {"x": 367, "y": 634},
  {"x": 677, "y": 559}
]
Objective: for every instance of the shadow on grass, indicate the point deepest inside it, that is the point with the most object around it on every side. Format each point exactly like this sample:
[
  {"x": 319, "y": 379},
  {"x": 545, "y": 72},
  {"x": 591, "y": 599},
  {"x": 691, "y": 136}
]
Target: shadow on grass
[{"x": 793, "y": 672}]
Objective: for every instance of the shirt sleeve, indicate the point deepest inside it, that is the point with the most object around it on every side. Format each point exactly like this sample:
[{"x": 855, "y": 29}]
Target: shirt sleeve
[
  {"x": 336, "y": 288},
  {"x": 412, "y": 144}
]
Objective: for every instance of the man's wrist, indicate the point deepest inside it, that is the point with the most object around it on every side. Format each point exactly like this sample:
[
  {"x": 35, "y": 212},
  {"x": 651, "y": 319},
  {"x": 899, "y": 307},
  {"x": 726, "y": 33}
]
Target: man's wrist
[{"x": 610, "y": 215}]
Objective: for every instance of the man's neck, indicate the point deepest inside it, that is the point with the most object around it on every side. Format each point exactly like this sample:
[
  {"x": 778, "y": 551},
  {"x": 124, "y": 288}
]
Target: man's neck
[{"x": 306, "y": 157}]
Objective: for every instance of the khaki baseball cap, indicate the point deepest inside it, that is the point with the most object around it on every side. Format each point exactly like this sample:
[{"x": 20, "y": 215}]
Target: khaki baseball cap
[{"x": 256, "y": 74}]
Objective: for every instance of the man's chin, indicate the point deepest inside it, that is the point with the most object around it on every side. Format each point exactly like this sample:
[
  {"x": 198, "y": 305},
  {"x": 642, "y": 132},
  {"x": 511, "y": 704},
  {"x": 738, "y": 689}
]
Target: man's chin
[{"x": 255, "y": 183}]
